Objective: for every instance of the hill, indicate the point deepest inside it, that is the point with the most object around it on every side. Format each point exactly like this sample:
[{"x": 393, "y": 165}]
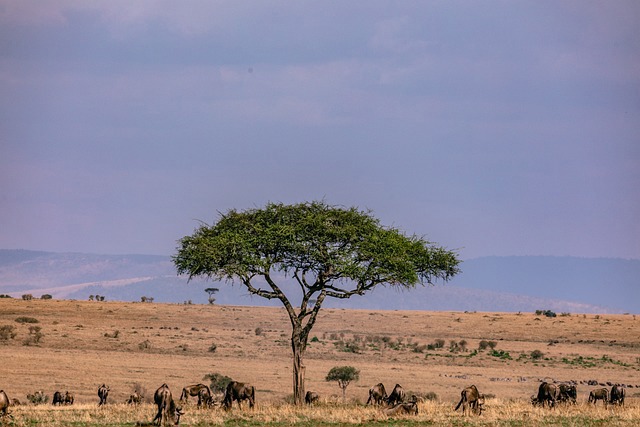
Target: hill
[{"x": 561, "y": 284}]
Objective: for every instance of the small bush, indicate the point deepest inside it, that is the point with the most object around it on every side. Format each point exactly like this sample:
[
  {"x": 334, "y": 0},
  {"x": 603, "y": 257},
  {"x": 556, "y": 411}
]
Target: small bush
[
  {"x": 115, "y": 334},
  {"x": 38, "y": 398},
  {"x": 144, "y": 345},
  {"x": 25, "y": 319},
  {"x": 35, "y": 335},
  {"x": 7, "y": 332},
  {"x": 258, "y": 331},
  {"x": 218, "y": 382},
  {"x": 5, "y": 296},
  {"x": 213, "y": 347},
  {"x": 537, "y": 354},
  {"x": 315, "y": 339}
]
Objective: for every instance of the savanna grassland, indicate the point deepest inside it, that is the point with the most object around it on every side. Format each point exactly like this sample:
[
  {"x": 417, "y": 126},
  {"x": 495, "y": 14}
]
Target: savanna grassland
[{"x": 81, "y": 344}]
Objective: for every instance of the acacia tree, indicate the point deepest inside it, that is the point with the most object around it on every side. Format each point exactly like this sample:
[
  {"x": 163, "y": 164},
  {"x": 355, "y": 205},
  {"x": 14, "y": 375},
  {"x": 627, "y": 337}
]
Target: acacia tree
[
  {"x": 326, "y": 251},
  {"x": 344, "y": 375}
]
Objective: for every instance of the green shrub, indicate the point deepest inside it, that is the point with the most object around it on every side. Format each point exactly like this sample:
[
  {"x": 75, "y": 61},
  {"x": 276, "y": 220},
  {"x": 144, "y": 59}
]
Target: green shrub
[
  {"x": 537, "y": 354},
  {"x": 25, "y": 319},
  {"x": 218, "y": 382}
]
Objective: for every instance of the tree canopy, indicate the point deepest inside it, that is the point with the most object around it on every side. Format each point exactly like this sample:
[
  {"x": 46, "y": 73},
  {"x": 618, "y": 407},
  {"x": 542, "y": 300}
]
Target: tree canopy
[{"x": 327, "y": 251}]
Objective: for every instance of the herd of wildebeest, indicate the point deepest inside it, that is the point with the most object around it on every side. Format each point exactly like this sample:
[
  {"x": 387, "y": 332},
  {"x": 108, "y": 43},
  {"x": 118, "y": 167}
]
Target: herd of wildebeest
[{"x": 471, "y": 400}]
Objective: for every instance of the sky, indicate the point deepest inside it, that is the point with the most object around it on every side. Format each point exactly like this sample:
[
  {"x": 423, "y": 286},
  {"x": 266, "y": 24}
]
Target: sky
[{"x": 491, "y": 128}]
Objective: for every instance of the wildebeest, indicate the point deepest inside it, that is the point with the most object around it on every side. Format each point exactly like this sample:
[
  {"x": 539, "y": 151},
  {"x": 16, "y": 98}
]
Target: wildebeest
[
  {"x": 58, "y": 398},
  {"x": 396, "y": 396},
  {"x": 205, "y": 398},
  {"x": 193, "y": 390},
  {"x": 167, "y": 409},
  {"x": 471, "y": 400},
  {"x": 103, "y": 392},
  {"x": 548, "y": 393},
  {"x": 568, "y": 393},
  {"x": 4, "y": 403},
  {"x": 617, "y": 395},
  {"x": 410, "y": 408},
  {"x": 239, "y": 391},
  {"x": 311, "y": 397},
  {"x": 68, "y": 398},
  {"x": 599, "y": 394},
  {"x": 377, "y": 394},
  {"x": 15, "y": 402}
]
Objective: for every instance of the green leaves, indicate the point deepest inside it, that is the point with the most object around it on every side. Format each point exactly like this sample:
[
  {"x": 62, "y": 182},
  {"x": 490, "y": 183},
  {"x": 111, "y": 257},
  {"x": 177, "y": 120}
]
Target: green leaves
[{"x": 331, "y": 244}]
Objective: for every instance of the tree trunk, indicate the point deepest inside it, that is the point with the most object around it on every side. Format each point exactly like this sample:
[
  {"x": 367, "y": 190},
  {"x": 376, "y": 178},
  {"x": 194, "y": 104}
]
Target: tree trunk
[{"x": 298, "y": 347}]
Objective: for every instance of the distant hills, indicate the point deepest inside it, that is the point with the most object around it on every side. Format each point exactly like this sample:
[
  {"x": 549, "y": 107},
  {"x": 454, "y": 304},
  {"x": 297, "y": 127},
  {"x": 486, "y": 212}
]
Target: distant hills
[{"x": 561, "y": 284}]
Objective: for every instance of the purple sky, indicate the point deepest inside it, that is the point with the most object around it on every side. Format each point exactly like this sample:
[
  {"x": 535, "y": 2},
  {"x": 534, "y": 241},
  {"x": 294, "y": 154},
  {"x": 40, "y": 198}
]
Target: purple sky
[{"x": 494, "y": 127}]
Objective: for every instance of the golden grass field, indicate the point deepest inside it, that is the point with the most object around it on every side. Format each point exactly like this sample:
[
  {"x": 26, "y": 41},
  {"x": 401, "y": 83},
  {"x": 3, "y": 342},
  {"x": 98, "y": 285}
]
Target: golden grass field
[{"x": 85, "y": 344}]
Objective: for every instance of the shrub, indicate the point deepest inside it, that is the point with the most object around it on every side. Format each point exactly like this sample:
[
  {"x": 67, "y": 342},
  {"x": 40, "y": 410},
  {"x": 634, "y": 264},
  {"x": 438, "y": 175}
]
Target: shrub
[
  {"x": 218, "y": 381},
  {"x": 7, "y": 332},
  {"x": 213, "y": 347},
  {"x": 439, "y": 343},
  {"x": 144, "y": 345},
  {"x": 537, "y": 354},
  {"x": 5, "y": 296},
  {"x": 38, "y": 398},
  {"x": 258, "y": 331},
  {"x": 482, "y": 345},
  {"x": 35, "y": 335},
  {"x": 315, "y": 339},
  {"x": 46, "y": 296},
  {"x": 25, "y": 319},
  {"x": 115, "y": 334}
]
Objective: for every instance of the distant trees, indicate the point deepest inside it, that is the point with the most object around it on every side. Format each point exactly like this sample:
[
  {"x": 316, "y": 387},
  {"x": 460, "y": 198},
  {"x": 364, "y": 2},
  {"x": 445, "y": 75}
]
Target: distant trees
[
  {"x": 343, "y": 375},
  {"x": 325, "y": 251},
  {"x": 211, "y": 292}
]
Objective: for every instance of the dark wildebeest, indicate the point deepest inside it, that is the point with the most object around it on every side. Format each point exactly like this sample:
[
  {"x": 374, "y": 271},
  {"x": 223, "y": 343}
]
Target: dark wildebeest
[
  {"x": 103, "y": 392},
  {"x": 167, "y": 409},
  {"x": 377, "y": 394},
  {"x": 68, "y": 398},
  {"x": 239, "y": 391},
  {"x": 396, "y": 396},
  {"x": 193, "y": 390},
  {"x": 410, "y": 408},
  {"x": 599, "y": 394},
  {"x": 4, "y": 403},
  {"x": 549, "y": 393},
  {"x": 617, "y": 395},
  {"x": 471, "y": 401},
  {"x": 568, "y": 393},
  {"x": 311, "y": 397},
  {"x": 134, "y": 399},
  {"x": 58, "y": 398},
  {"x": 205, "y": 398}
]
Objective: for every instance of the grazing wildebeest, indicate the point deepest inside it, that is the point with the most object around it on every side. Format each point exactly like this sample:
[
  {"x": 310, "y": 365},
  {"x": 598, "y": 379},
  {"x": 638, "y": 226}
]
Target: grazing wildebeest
[
  {"x": 205, "y": 398},
  {"x": 167, "y": 409},
  {"x": 103, "y": 392},
  {"x": 599, "y": 394},
  {"x": 193, "y": 390},
  {"x": 617, "y": 395},
  {"x": 134, "y": 399},
  {"x": 471, "y": 400},
  {"x": 239, "y": 391},
  {"x": 548, "y": 393},
  {"x": 311, "y": 397},
  {"x": 15, "y": 402},
  {"x": 410, "y": 408},
  {"x": 68, "y": 398},
  {"x": 396, "y": 396},
  {"x": 58, "y": 398},
  {"x": 568, "y": 393},
  {"x": 4, "y": 403},
  {"x": 377, "y": 394}
]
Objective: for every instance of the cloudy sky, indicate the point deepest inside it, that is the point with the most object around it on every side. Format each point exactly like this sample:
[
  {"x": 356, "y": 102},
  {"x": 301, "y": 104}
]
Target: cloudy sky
[{"x": 493, "y": 127}]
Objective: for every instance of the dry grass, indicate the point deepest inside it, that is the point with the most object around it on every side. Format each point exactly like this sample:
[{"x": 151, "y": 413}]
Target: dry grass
[{"x": 86, "y": 344}]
